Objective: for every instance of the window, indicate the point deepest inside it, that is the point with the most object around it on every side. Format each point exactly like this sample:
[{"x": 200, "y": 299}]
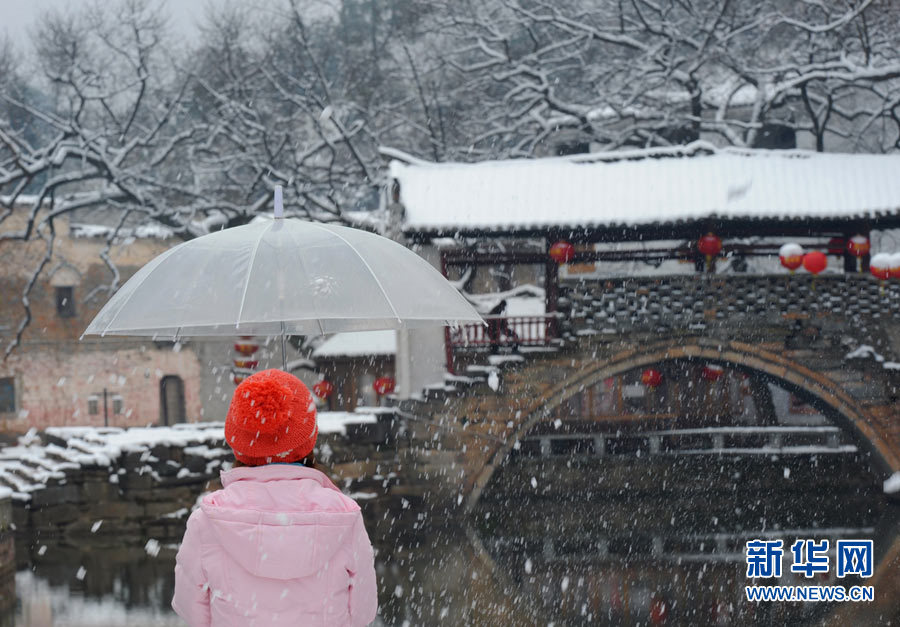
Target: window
[
  {"x": 93, "y": 405},
  {"x": 65, "y": 301},
  {"x": 117, "y": 405},
  {"x": 7, "y": 395}
]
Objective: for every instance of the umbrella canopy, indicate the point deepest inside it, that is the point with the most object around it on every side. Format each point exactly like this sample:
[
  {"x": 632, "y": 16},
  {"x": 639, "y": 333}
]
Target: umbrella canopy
[{"x": 282, "y": 277}]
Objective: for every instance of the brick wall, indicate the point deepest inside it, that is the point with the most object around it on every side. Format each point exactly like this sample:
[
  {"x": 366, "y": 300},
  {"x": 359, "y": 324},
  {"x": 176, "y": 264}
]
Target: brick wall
[
  {"x": 54, "y": 373},
  {"x": 54, "y": 383}
]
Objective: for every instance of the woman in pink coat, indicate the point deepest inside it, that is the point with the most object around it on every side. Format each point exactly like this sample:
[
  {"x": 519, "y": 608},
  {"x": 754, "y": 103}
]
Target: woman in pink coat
[{"x": 279, "y": 544}]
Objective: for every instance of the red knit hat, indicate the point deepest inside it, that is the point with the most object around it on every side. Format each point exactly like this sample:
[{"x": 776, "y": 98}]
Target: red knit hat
[{"x": 272, "y": 418}]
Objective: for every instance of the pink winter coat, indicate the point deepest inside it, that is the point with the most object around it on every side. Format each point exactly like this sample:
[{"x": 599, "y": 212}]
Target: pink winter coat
[{"x": 279, "y": 545}]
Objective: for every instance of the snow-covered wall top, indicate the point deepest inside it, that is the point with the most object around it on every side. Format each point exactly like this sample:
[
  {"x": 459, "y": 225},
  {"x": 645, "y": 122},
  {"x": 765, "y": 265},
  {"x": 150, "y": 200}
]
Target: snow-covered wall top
[
  {"x": 645, "y": 187},
  {"x": 29, "y": 466},
  {"x": 358, "y": 344}
]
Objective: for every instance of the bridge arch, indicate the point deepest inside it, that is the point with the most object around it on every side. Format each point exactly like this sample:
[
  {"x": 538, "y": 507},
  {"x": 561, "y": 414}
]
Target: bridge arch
[{"x": 819, "y": 390}]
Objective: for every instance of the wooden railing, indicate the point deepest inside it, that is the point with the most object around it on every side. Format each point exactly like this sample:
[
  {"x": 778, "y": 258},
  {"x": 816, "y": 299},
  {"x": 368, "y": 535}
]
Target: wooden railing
[
  {"x": 737, "y": 440},
  {"x": 727, "y": 546},
  {"x": 505, "y": 331},
  {"x": 501, "y": 331}
]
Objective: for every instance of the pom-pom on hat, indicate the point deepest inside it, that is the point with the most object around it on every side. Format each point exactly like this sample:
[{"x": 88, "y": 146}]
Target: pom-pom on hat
[{"x": 272, "y": 418}]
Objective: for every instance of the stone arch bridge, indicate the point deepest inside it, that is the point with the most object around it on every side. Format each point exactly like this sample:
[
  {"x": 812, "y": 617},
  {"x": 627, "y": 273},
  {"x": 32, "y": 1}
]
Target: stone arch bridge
[{"x": 832, "y": 340}]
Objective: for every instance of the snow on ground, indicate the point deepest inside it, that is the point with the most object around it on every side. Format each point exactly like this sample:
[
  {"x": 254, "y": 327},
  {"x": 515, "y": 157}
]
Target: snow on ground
[
  {"x": 523, "y": 300},
  {"x": 864, "y": 351},
  {"x": 337, "y": 421}
]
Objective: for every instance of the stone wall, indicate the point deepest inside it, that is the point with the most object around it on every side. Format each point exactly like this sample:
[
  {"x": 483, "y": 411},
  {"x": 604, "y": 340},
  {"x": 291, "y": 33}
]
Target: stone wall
[
  {"x": 143, "y": 495},
  {"x": 801, "y": 308},
  {"x": 137, "y": 497}
]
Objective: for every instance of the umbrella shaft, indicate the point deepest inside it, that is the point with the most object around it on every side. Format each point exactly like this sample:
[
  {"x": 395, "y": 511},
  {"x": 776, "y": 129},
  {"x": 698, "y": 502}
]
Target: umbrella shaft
[{"x": 283, "y": 352}]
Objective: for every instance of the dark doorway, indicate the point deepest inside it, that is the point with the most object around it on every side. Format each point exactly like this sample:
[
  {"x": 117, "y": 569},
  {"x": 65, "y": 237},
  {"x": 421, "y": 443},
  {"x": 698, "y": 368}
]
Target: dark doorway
[
  {"x": 171, "y": 400},
  {"x": 776, "y": 136}
]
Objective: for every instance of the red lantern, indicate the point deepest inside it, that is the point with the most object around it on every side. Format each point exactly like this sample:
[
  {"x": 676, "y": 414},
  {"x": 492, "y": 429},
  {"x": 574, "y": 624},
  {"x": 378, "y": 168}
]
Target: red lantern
[
  {"x": 383, "y": 385},
  {"x": 246, "y": 363},
  {"x": 814, "y": 262},
  {"x": 562, "y": 252},
  {"x": 712, "y": 373},
  {"x": 659, "y": 611},
  {"x": 709, "y": 245},
  {"x": 791, "y": 256},
  {"x": 895, "y": 266},
  {"x": 880, "y": 266},
  {"x": 323, "y": 389},
  {"x": 858, "y": 246},
  {"x": 237, "y": 377},
  {"x": 651, "y": 377},
  {"x": 837, "y": 246},
  {"x": 245, "y": 346}
]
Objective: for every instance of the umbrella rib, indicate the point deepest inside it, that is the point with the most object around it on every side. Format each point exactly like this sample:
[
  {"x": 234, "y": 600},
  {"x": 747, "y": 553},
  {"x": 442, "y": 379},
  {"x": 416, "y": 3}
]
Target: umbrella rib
[
  {"x": 249, "y": 272},
  {"x": 164, "y": 256},
  {"x": 366, "y": 264},
  {"x": 302, "y": 268}
]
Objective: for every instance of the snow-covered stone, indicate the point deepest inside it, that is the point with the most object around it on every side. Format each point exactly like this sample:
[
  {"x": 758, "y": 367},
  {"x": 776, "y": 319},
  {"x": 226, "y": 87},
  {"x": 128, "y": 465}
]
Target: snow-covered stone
[{"x": 892, "y": 484}]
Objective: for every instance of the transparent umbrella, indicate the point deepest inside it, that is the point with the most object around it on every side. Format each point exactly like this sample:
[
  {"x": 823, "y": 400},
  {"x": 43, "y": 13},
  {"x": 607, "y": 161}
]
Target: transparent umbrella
[{"x": 282, "y": 277}]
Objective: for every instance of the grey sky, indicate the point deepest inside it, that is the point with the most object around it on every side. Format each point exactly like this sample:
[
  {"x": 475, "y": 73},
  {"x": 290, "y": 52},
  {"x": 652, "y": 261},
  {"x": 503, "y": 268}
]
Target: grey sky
[{"x": 16, "y": 16}]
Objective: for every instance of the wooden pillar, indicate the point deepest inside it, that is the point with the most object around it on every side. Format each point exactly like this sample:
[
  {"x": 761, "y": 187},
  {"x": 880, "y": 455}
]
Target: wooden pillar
[
  {"x": 448, "y": 348},
  {"x": 551, "y": 283},
  {"x": 551, "y": 291},
  {"x": 850, "y": 262}
]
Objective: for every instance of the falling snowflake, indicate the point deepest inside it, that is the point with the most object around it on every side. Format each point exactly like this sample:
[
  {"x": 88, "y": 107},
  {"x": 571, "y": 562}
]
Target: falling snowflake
[{"x": 152, "y": 547}]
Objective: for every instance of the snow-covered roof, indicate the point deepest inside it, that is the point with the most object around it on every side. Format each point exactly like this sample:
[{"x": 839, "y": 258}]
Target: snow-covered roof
[
  {"x": 645, "y": 187},
  {"x": 358, "y": 344}
]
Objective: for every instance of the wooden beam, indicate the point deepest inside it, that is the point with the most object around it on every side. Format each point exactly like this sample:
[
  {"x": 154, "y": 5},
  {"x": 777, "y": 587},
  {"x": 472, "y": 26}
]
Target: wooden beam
[
  {"x": 683, "y": 229},
  {"x": 477, "y": 258}
]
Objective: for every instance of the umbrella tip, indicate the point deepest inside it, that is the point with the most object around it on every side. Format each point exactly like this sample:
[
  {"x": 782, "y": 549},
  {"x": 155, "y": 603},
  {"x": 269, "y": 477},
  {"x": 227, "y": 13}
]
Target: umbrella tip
[{"x": 279, "y": 202}]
